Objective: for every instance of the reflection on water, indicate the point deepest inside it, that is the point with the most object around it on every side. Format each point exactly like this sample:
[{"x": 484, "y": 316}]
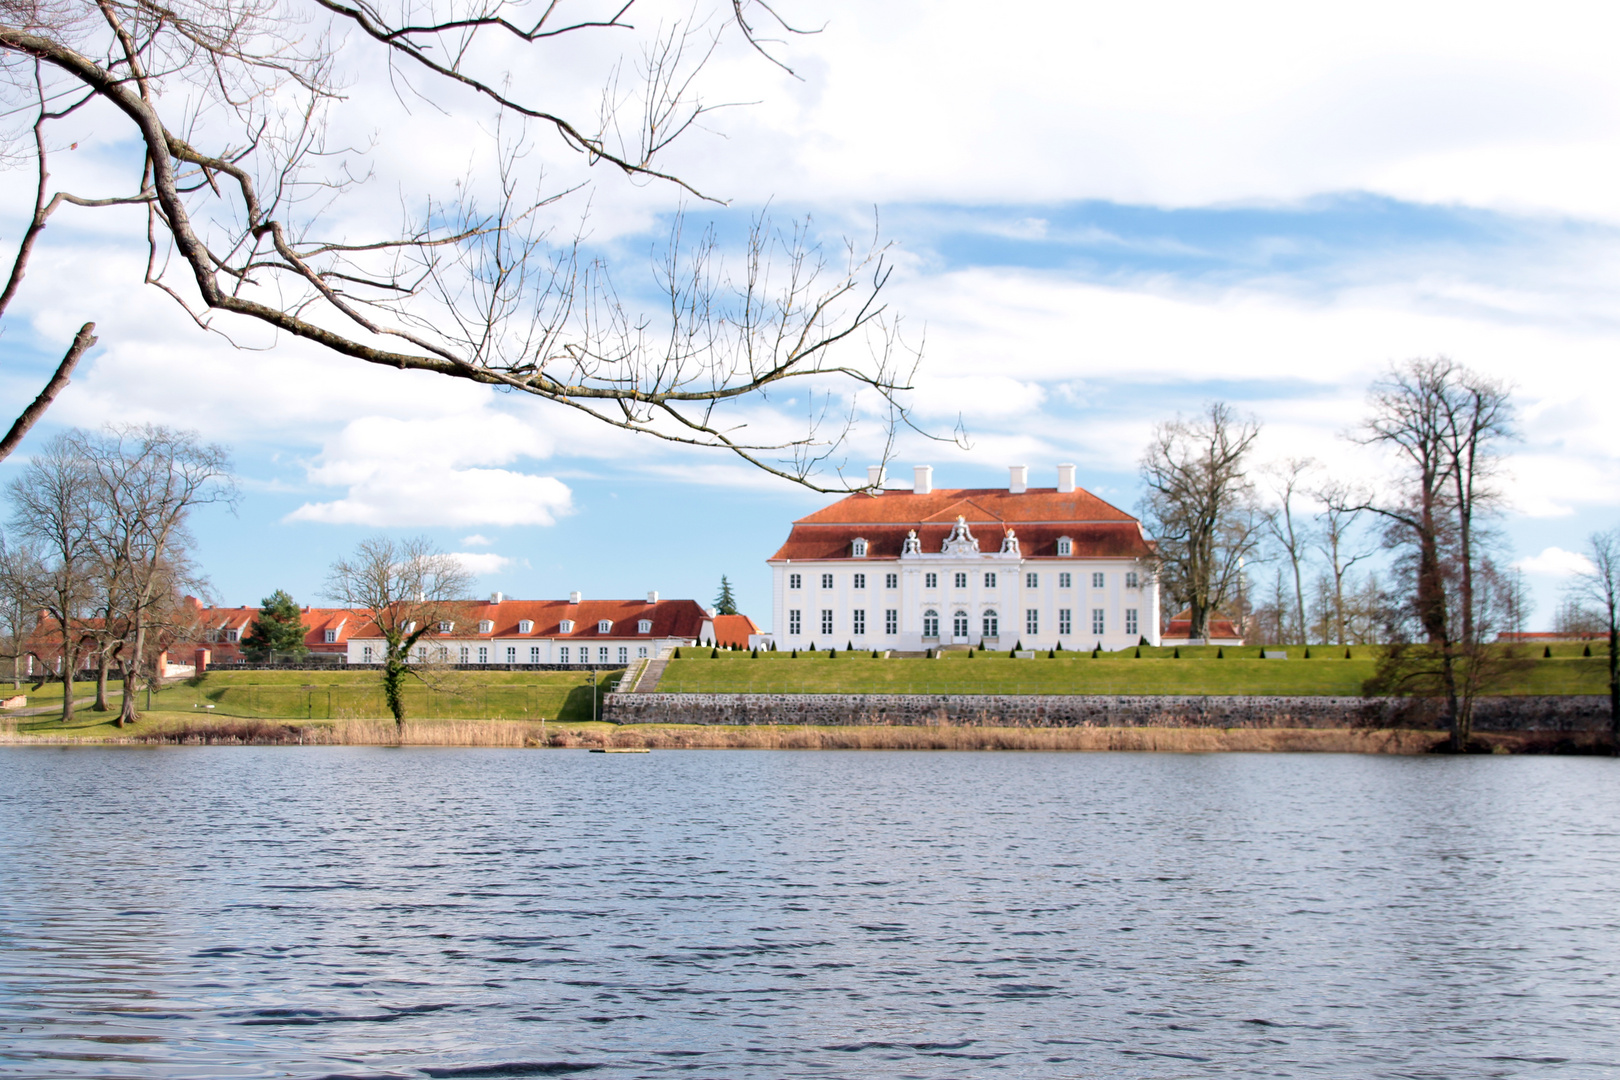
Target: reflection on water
[{"x": 351, "y": 912}]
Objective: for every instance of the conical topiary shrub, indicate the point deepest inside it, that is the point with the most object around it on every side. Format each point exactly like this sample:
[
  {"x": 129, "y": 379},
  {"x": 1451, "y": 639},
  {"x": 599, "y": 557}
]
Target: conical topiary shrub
[
  {"x": 1587, "y": 651},
  {"x": 676, "y": 655},
  {"x": 874, "y": 654},
  {"x": 1177, "y": 654},
  {"x": 1051, "y": 654},
  {"x": 1220, "y": 653},
  {"x": 714, "y": 654},
  {"x": 1347, "y": 654},
  {"x": 832, "y": 654},
  {"x": 755, "y": 655},
  {"x": 849, "y": 646},
  {"x": 1138, "y": 655},
  {"x": 1546, "y": 652},
  {"x": 1307, "y": 652},
  {"x": 970, "y": 652},
  {"x": 794, "y": 655}
]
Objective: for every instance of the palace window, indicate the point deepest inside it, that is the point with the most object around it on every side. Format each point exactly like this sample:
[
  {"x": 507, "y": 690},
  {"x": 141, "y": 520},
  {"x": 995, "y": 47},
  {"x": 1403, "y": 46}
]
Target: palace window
[
  {"x": 483, "y": 654},
  {"x": 930, "y": 581},
  {"x": 992, "y": 624},
  {"x": 990, "y": 580},
  {"x": 826, "y": 621},
  {"x": 1130, "y": 621},
  {"x": 604, "y": 626},
  {"x": 534, "y": 654},
  {"x": 601, "y": 655},
  {"x": 795, "y": 581},
  {"x": 891, "y": 621},
  {"x": 1097, "y": 622},
  {"x": 857, "y": 622},
  {"x": 562, "y": 655},
  {"x": 1132, "y": 581},
  {"x": 826, "y": 581},
  {"x": 1097, "y": 580},
  {"x": 959, "y": 624},
  {"x": 961, "y": 581},
  {"x": 1065, "y": 546},
  {"x": 1065, "y": 622},
  {"x": 930, "y": 625},
  {"x": 891, "y": 581},
  {"x": 624, "y": 654},
  {"x": 1032, "y": 581},
  {"x": 1032, "y": 621},
  {"x": 644, "y": 626},
  {"x": 464, "y": 654},
  {"x": 858, "y": 549},
  {"x": 566, "y": 626},
  {"x": 525, "y": 627},
  {"x": 860, "y": 581},
  {"x": 794, "y": 623}
]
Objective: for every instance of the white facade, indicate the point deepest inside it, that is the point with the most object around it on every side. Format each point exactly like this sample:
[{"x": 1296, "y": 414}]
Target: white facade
[{"x": 960, "y": 595}]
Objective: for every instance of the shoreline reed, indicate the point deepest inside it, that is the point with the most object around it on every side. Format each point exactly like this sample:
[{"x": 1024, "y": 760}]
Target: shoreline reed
[{"x": 536, "y": 735}]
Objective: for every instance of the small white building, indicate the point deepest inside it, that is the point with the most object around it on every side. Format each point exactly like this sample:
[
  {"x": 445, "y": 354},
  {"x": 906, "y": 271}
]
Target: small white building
[
  {"x": 577, "y": 632},
  {"x": 988, "y": 567}
]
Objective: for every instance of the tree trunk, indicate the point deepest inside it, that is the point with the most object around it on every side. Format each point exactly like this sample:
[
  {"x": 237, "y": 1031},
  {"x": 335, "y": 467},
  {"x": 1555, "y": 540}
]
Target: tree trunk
[
  {"x": 394, "y": 688},
  {"x": 1456, "y": 720},
  {"x": 132, "y": 669},
  {"x": 68, "y": 658},
  {"x": 1614, "y": 685},
  {"x": 101, "y": 680}
]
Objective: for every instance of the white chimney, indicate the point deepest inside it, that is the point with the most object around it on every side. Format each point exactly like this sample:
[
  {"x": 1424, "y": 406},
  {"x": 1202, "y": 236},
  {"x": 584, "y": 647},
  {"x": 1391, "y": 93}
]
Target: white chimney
[
  {"x": 652, "y": 597},
  {"x": 1065, "y": 479},
  {"x": 1018, "y": 479},
  {"x": 924, "y": 482},
  {"x": 494, "y": 597},
  {"x": 874, "y": 478},
  {"x": 573, "y": 598}
]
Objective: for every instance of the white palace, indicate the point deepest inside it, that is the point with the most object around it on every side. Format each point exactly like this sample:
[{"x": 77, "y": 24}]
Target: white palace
[{"x": 911, "y": 570}]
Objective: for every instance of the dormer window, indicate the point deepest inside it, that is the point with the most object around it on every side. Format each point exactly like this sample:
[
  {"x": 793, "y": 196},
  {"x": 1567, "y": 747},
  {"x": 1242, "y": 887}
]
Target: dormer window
[
  {"x": 233, "y": 635},
  {"x": 1065, "y": 546},
  {"x": 566, "y": 626},
  {"x": 605, "y": 626},
  {"x": 445, "y": 626},
  {"x": 858, "y": 549},
  {"x": 644, "y": 626},
  {"x": 331, "y": 637},
  {"x": 485, "y": 626},
  {"x": 525, "y": 627}
]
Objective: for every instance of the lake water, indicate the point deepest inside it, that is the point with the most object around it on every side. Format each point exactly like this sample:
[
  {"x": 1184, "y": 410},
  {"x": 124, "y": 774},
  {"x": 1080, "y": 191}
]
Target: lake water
[{"x": 354, "y": 912}]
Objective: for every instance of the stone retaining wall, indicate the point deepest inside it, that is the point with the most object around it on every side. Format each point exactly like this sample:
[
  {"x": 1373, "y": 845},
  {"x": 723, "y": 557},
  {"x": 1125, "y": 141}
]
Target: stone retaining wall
[{"x": 1571, "y": 713}]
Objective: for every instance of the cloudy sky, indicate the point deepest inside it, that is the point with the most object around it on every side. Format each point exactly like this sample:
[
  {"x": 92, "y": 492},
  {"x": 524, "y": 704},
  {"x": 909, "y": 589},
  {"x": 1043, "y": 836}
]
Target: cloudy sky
[{"x": 1101, "y": 215}]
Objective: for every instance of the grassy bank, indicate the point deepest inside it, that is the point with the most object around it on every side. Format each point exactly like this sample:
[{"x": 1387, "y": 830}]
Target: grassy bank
[
  {"x": 1157, "y": 671},
  {"x": 181, "y": 729}
]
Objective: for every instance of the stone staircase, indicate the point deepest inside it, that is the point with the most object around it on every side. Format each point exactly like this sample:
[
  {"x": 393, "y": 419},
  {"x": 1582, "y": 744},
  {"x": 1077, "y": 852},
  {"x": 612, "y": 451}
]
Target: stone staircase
[{"x": 644, "y": 680}]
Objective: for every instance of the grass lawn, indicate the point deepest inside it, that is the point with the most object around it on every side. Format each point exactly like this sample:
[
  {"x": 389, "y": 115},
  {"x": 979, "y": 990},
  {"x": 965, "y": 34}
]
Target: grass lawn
[
  {"x": 320, "y": 695},
  {"x": 1240, "y": 671}
]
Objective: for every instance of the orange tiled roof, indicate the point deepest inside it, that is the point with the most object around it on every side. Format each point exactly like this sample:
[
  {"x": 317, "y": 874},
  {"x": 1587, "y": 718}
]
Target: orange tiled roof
[
  {"x": 1219, "y": 625},
  {"x": 733, "y": 630},
  {"x": 1039, "y": 517},
  {"x": 670, "y": 619}
]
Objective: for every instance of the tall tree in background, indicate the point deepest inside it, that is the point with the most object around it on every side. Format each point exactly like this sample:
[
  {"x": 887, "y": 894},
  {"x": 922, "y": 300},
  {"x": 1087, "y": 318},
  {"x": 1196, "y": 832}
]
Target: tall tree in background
[
  {"x": 144, "y": 483},
  {"x": 1445, "y": 425},
  {"x": 255, "y": 221},
  {"x": 279, "y": 626},
  {"x": 405, "y": 588},
  {"x": 1599, "y": 587},
  {"x": 1334, "y": 540},
  {"x": 21, "y": 576},
  {"x": 1288, "y": 480},
  {"x": 1200, "y": 507},
  {"x": 52, "y": 514},
  {"x": 725, "y": 603}
]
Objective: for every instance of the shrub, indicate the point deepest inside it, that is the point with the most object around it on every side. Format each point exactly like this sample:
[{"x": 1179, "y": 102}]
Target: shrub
[
  {"x": 1060, "y": 646},
  {"x": 677, "y": 654},
  {"x": 1096, "y": 651},
  {"x": 1546, "y": 652},
  {"x": 1176, "y": 655},
  {"x": 1138, "y": 655},
  {"x": 832, "y": 654},
  {"x": 849, "y": 646},
  {"x": 1051, "y": 654},
  {"x": 1347, "y": 654},
  {"x": 812, "y": 649},
  {"x": 970, "y": 654},
  {"x": 1142, "y": 640},
  {"x": 773, "y": 646},
  {"x": 930, "y": 654},
  {"x": 1018, "y": 647},
  {"x": 1307, "y": 652},
  {"x": 755, "y": 654},
  {"x": 874, "y": 654},
  {"x": 795, "y": 655},
  {"x": 714, "y": 654},
  {"x": 1587, "y": 651},
  {"x": 1220, "y": 653}
]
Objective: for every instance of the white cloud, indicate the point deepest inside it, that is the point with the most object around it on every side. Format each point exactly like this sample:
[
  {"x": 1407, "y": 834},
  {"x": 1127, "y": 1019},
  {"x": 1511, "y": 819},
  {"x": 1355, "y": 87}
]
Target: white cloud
[
  {"x": 481, "y": 562},
  {"x": 477, "y": 540},
  {"x": 1556, "y": 562}
]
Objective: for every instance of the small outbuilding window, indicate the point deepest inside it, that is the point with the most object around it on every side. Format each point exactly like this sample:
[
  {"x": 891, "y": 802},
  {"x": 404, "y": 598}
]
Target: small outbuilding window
[
  {"x": 1065, "y": 546},
  {"x": 331, "y": 637},
  {"x": 605, "y": 626},
  {"x": 566, "y": 626},
  {"x": 445, "y": 626},
  {"x": 525, "y": 627},
  {"x": 644, "y": 626},
  {"x": 485, "y": 626}
]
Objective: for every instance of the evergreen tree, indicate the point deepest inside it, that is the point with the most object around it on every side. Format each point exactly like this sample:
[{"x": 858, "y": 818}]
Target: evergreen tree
[
  {"x": 726, "y": 602},
  {"x": 279, "y": 627}
]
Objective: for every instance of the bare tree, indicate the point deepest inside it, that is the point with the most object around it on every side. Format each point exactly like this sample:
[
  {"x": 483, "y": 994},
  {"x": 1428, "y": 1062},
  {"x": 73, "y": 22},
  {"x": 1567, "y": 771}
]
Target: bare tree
[
  {"x": 1334, "y": 540},
  {"x": 1287, "y": 481},
  {"x": 1519, "y": 602},
  {"x": 253, "y": 210},
  {"x": 144, "y": 484},
  {"x": 1200, "y": 507},
  {"x": 406, "y": 588},
  {"x": 1600, "y": 588},
  {"x": 51, "y": 513},
  {"x": 21, "y": 577}
]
